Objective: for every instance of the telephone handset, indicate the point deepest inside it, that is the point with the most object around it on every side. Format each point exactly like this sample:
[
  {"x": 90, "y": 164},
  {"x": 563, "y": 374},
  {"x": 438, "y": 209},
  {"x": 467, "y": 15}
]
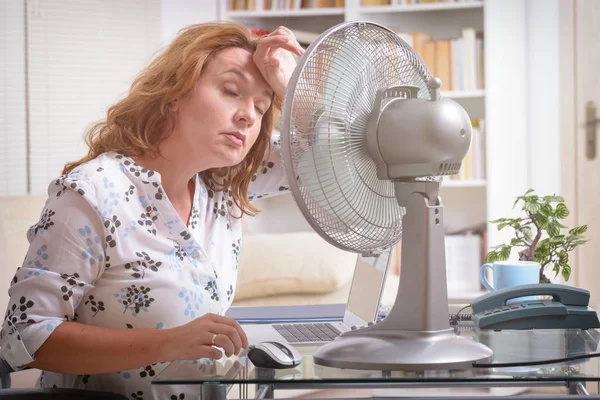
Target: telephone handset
[{"x": 568, "y": 308}]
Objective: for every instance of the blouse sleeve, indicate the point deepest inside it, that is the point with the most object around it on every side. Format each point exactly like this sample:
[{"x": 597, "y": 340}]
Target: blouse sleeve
[
  {"x": 65, "y": 258},
  {"x": 271, "y": 179}
]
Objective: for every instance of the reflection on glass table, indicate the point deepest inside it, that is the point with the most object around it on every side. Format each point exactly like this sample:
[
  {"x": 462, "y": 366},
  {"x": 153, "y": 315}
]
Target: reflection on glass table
[{"x": 508, "y": 346}]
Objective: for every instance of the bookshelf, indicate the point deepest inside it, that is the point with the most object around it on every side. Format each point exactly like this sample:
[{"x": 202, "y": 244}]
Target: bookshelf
[
  {"x": 437, "y": 6},
  {"x": 465, "y": 200},
  {"x": 307, "y": 12}
]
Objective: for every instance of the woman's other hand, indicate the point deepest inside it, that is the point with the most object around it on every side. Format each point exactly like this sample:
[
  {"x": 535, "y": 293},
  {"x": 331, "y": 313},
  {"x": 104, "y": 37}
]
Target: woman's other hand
[
  {"x": 274, "y": 58},
  {"x": 201, "y": 337}
]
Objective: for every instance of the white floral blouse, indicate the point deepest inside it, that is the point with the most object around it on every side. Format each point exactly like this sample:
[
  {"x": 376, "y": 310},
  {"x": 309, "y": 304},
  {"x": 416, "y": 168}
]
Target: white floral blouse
[{"x": 110, "y": 250}]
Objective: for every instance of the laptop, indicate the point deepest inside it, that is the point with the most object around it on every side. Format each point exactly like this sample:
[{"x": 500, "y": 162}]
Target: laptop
[{"x": 315, "y": 325}]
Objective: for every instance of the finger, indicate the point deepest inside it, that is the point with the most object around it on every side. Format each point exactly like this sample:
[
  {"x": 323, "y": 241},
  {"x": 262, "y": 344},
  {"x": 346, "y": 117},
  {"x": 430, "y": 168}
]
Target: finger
[
  {"x": 209, "y": 352},
  {"x": 230, "y": 332},
  {"x": 266, "y": 42},
  {"x": 290, "y": 46},
  {"x": 203, "y": 348},
  {"x": 224, "y": 342},
  {"x": 233, "y": 323},
  {"x": 282, "y": 29}
]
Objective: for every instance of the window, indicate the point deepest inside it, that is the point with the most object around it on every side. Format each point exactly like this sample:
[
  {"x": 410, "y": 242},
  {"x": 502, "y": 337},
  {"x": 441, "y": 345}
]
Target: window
[
  {"x": 81, "y": 58},
  {"x": 13, "y": 138}
]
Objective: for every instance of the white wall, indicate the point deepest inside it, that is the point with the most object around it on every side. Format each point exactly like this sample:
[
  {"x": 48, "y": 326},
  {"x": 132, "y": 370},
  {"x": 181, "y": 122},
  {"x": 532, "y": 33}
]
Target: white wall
[
  {"x": 506, "y": 109},
  {"x": 523, "y": 53},
  {"x": 177, "y": 14},
  {"x": 543, "y": 95},
  {"x": 13, "y": 137}
]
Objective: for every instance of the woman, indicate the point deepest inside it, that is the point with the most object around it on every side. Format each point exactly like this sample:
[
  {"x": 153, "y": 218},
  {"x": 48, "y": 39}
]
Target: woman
[{"x": 134, "y": 260}]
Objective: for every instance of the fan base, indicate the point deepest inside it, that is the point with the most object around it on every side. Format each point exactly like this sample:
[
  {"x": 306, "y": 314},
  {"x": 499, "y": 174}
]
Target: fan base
[{"x": 402, "y": 350}]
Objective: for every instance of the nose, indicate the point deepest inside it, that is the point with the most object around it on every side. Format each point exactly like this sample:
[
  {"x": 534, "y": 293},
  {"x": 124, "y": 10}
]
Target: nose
[{"x": 246, "y": 114}]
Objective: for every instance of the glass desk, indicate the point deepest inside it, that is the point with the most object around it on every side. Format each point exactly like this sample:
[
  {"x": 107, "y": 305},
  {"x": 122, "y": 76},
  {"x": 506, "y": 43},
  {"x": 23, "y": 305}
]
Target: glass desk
[{"x": 217, "y": 377}]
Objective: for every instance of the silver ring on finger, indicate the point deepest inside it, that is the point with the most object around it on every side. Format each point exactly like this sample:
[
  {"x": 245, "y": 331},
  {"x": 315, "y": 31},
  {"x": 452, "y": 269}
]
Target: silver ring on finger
[{"x": 214, "y": 337}]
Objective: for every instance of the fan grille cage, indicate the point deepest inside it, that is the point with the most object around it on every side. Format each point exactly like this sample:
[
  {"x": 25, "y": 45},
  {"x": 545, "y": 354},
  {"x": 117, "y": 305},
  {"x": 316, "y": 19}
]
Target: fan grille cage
[{"x": 333, "y": 179}]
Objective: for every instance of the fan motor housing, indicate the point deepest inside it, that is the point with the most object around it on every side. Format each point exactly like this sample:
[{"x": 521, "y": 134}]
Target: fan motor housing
[{"x": 411, "y": 137}]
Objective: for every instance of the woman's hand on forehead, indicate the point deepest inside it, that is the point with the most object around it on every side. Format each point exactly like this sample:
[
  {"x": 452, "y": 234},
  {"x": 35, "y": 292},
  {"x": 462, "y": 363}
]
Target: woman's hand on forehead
[{"x": 274, "y": 57}]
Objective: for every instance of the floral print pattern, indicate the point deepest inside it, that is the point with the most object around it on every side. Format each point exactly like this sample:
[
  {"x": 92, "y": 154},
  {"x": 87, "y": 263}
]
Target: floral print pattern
[{"x": 110, "y": 250}]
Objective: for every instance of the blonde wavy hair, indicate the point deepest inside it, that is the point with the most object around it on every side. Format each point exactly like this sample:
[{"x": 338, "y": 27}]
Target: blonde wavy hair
[{"x": 134, "y": 125}]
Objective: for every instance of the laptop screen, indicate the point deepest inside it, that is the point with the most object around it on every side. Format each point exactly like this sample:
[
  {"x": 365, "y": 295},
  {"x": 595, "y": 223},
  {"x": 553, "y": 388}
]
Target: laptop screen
[{"x": 367, "y": 286}]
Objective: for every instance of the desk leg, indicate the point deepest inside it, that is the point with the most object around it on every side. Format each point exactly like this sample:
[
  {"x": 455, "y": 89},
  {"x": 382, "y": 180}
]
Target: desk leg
[
  {"x": 577, "y": 388},
  {"x": 264, "y": 391},
  {"x": 213, "y": 392}
]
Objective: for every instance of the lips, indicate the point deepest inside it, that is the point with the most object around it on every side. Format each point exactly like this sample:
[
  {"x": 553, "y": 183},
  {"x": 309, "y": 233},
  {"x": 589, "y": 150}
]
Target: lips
[{"x": 237, "y": 138}]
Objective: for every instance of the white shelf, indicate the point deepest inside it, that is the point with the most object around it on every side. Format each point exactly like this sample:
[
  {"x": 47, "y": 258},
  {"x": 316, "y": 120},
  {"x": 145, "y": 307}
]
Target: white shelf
[
  {"x": 464, "y": 183},
  {"x": 421, "y": 7},
  {"x": 304, "y": 12},
  {"x": 461, "y": 94}
]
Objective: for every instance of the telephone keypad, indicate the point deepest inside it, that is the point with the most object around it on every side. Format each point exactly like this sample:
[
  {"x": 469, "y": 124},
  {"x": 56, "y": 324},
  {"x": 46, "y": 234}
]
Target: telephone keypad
[{"x": 504, "y": 308}]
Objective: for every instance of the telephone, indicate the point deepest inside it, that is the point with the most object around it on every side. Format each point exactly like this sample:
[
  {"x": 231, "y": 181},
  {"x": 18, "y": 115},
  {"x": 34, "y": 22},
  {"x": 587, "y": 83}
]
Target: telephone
[{"x": 568, "y": 308}]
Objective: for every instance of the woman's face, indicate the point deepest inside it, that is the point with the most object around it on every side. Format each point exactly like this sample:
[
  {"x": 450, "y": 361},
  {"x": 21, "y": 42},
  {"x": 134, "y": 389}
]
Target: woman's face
[{"x": 219, "y": 120}]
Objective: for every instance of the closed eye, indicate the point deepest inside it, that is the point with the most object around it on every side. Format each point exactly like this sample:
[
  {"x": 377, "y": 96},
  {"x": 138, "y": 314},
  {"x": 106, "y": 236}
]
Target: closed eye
[
  {"x": 235, "y": 94},
  {"x": 231, "y": 93}
]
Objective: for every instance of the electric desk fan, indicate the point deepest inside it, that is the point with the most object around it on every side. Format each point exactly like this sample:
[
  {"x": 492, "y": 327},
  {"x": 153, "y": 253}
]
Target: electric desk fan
[{"x": 365, "y": 139}]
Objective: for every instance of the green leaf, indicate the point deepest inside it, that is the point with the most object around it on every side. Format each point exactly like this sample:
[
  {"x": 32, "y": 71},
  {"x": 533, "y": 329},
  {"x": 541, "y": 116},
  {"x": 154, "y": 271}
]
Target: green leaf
[
  {"x": 554, "y": 199},
  {"x": 542, "y": 221},
  {"x": 566, "y": 272},
  {"x": 516, "y": 201},
  {"x": 578, "y": 230},
  {"x": 498, "y": 220},
  {"x": 553, "y": 229},
  {"x": 515, "y": 242},
  {"x": 532, "y": 207},
  {"x": 547, "y": 210},
  {"x": 561, "y": 211},
  {"x": 491, "y": 257},
  {"x": 556, "y": 269},
  {"x": 502, "y": 226},
  {"x": 529, "y": 191},
  {"x": 504, "y": 253},
  {"x": 563, "y": 257}
]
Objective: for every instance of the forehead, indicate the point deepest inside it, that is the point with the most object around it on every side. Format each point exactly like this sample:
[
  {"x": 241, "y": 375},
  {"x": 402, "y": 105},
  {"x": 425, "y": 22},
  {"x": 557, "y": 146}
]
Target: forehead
[{"x": 233, "y": 57}]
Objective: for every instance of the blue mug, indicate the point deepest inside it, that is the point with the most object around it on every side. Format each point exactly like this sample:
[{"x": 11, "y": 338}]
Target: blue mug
[{"x": 510, "y": 273}]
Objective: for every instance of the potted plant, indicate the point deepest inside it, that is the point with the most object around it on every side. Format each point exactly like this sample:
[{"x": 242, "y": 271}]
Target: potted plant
[{"x": 539, "y": 235}]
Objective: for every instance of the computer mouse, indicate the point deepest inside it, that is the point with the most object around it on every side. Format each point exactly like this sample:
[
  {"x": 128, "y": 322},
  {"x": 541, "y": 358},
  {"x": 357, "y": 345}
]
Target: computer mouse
[{"x": 274, "y": 355}]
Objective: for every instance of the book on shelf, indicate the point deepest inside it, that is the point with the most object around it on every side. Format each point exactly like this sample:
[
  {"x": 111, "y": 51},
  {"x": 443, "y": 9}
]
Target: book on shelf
[
  {"x": 458, "y": 62},
  {"x": 463, "y": 260},
  {"x": 260, "y": 5},
  {"x": 371, "y": 3},
  {"x": 473, "y": 165}
]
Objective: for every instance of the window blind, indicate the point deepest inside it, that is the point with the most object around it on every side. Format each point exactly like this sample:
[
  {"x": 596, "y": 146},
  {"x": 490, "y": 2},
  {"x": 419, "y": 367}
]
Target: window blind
[
  {"x": 82, "y": 56},
  {"x": 13, "y": 141}
]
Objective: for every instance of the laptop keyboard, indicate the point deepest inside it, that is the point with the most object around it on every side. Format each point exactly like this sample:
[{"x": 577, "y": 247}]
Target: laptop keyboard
[{"x": 314, "y": 332}]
